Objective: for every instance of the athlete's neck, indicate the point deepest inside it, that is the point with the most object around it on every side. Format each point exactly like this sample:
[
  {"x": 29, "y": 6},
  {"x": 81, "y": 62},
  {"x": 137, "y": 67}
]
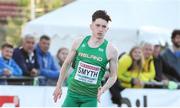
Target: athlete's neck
[{"x": 95, "y": 42}]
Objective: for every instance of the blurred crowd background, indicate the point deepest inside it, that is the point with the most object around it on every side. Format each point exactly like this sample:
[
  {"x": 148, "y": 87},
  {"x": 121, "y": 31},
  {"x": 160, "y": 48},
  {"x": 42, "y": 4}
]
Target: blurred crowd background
[
  {"x": 149, "y": 57},
  {"x": 15, "y": 13}
]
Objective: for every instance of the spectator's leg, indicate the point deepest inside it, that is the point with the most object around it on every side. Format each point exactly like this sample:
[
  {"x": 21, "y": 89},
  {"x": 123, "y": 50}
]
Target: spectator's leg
[{"x": 115, "y": 93}]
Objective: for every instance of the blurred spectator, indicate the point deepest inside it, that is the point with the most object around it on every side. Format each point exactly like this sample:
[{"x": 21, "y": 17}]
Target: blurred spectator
[
  {"x": 129, "y": 72},
  {"x": 158, "y": 64},
  {"x": 130, "y": 67},
  {"x": 8, "y": 66},
  {"x": 153, "y": 65},
  {"x": 171, "y": 57},
  {"x": 25, "y": 57},
  {"x": 61, "y": 56},
  {"x": 48, "y": 69},
  {"x": 148, "y": 73}
]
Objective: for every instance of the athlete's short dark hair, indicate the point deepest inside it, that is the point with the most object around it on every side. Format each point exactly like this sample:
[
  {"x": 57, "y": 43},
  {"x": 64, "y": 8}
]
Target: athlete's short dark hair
[{"x": 101, "y": 14}]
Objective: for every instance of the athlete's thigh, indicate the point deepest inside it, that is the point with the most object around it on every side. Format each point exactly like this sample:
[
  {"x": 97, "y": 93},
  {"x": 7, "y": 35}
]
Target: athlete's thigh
[
  {"x": 89, "y": 103},
  {"x": 70, "y": 101}
]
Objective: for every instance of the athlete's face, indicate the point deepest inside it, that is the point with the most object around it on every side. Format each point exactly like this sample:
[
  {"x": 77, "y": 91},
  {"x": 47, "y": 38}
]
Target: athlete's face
[{"x": 99, "y": 27}]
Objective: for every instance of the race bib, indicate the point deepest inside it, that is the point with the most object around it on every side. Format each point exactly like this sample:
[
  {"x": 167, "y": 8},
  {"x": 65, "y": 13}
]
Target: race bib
[{"x": 87, "y": 73}]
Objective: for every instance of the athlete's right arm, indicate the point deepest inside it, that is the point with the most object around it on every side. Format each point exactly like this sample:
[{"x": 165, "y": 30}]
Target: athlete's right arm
[{"x": 57, "y": 93}]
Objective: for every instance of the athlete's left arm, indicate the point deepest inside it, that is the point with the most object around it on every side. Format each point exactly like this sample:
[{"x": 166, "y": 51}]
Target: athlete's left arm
[{"x": 113, "y": 60}]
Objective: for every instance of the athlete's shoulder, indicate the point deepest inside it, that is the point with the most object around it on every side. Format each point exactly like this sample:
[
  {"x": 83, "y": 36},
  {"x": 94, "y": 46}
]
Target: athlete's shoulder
[
  {"x": 78, "y": 41},
  {"x": 112, "y": 47},
  {"x": 112, "y": 50}
]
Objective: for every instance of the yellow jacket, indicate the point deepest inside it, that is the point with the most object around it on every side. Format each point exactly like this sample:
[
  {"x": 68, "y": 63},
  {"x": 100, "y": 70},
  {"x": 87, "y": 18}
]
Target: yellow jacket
[
  {"x": 148, "y": 73},
  {"x": 125, "y": 76}
]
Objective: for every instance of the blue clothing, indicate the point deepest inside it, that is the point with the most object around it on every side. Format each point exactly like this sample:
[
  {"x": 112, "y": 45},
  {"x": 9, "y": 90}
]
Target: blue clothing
[
  {"x": 177, "y": 53},
  {"x": 171, "y": 60},
  {"x": 11, "y": 65},
  {"x": 47, "y": 64},
  {"x": 25, "y": 61}
]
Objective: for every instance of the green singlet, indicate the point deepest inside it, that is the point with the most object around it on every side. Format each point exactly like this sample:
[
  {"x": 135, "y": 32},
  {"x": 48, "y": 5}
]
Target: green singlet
[{"x": 90, "y": 67}]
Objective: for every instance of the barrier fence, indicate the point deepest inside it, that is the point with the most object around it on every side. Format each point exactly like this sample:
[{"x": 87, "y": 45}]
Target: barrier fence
[{"x": 41, "y": 96}]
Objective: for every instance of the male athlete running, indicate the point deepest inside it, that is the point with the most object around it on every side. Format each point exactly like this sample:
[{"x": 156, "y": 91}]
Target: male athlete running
[{"x": 91, "y": 55}]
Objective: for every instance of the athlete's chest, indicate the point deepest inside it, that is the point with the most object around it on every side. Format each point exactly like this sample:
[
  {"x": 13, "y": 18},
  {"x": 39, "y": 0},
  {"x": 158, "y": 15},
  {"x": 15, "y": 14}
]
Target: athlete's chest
[{"x": 93, "y": 54}]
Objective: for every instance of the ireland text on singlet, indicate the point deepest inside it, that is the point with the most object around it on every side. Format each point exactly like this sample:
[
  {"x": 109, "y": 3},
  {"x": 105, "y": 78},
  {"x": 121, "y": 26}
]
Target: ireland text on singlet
[{"x": 89, "y": 69}]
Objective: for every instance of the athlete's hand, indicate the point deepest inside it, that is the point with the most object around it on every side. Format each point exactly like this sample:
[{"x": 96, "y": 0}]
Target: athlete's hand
[
  {"x": 100, "y": 92},
  {"x": 57, "y": 94}
]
